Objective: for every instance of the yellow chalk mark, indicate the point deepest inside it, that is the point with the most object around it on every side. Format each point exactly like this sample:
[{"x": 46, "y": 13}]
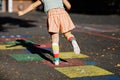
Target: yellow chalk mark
[
  {"x": 5, "y": 47},
  {"x": 83, "y": 71},
  {"x": 67, "y": 55}
]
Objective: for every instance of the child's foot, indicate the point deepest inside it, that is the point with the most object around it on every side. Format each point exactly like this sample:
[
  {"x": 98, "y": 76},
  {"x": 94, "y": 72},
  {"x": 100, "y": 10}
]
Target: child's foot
[
  {"x": 56, "y": 63},
  {"x": 75, "y": 47}
]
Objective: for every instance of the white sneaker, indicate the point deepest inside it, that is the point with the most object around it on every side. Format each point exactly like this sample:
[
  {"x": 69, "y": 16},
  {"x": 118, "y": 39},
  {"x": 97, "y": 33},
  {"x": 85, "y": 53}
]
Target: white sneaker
[
  {"x": 56, "y": 63},
  {"x": 75, "y": 47}
]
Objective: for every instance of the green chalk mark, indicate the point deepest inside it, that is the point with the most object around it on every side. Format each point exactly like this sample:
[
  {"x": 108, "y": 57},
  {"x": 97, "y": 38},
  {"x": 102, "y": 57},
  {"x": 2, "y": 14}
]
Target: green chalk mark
[
  {"x": 26, "y": 57},
  {"x": 29, "y": 41}
]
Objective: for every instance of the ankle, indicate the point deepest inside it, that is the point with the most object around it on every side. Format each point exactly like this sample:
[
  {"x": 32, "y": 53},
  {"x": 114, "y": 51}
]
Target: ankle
[{"x": 56, "y": 61}]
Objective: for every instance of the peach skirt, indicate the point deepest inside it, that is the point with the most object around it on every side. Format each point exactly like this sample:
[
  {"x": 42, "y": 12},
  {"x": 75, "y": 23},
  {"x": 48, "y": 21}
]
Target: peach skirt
[{"x": 59, "y": 21}]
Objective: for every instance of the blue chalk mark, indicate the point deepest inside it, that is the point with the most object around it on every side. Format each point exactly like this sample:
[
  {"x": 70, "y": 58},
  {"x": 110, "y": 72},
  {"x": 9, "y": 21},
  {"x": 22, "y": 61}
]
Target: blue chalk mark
[
  {"x": 15, "y": 36},
  {"x": 25, "y": 36},
  {"x": 90, "y": 63},
  {"x": 111, "y": 77},
  {"x": 2, "y": 36}
]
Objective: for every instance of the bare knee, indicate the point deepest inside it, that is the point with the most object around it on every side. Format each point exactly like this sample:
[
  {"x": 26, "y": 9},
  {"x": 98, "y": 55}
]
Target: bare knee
[
  {"x": 67, "y": 33},
  {"x": 55, "y": 37}
]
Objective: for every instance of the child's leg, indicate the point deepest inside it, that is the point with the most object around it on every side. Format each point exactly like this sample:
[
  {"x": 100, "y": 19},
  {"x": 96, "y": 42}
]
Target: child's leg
[
  {"x": 55, "y": 47},
  {"x": 71, "y": 38}
]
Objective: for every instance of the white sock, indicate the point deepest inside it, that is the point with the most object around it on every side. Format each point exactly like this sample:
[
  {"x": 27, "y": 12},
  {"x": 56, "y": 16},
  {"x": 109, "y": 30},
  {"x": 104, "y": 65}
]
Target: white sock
[{"x": 75, "y": 47}]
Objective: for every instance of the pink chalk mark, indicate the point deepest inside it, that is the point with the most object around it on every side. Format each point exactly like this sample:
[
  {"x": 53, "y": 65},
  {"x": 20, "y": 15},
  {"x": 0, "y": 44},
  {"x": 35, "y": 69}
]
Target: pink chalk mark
[
  {"x": 97, "y": 34},
  {"x": 70, "y": 62},
  {"x": 100, "y": 30},
  {"x": 47, "y": 45}
]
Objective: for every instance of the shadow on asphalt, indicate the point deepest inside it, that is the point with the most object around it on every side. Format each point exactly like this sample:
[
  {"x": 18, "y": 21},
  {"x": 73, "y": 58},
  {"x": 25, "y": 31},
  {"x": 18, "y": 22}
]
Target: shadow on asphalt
[
  {"x": 14, "y": 21},
  {"x": 32, "y": 48}
]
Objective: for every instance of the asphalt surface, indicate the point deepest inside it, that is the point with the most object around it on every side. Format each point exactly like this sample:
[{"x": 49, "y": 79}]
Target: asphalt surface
[{"x": 97, "y": 35}]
